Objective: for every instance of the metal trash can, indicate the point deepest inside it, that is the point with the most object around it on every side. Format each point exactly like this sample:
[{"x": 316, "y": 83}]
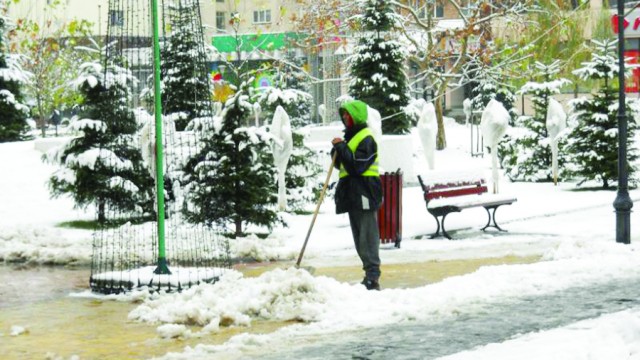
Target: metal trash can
[{"x": 390, "y": 214}]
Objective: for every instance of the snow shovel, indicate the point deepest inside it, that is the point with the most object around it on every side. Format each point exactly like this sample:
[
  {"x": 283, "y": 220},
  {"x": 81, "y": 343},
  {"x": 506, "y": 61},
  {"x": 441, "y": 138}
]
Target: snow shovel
[{"x": 315, "y": 213}]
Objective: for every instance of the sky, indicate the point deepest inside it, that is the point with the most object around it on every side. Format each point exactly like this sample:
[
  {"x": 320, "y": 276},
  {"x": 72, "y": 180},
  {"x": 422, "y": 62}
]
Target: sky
[{"x": 573, "y": 233}]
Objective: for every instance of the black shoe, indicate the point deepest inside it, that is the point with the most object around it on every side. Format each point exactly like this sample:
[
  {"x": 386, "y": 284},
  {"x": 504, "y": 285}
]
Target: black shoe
[{"x": 371, "y": 284}]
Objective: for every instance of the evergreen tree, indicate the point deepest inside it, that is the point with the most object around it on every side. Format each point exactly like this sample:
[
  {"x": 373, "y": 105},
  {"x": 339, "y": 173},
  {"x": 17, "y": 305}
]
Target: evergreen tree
[
  {"x": 377, "y": 66},
  {"x": 104, "y": 166},
  {"x": 593, "y": 142},
  {"x": 526, "y": 156},
  {"x": 302, "y": 170},
  {"x": 185, "y": 81},
  {"x": 13, "y": 113},
  {"x": 232, "y": 178}
]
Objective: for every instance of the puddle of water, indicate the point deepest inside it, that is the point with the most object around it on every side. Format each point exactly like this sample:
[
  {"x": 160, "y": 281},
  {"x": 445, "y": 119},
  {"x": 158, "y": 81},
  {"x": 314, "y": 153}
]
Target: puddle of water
[
  {"x": 419, "y": 274},
  {"x": 95, "y": 329},
  {"x": 37, "y": 299},
  {"x": 20, "y": 284}
]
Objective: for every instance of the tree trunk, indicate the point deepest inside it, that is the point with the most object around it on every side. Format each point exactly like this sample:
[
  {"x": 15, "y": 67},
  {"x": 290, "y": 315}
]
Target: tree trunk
[
  {"x": 101, "y": 213},
  {"x": 238, "y": 222},
  {"x": 41, "y": 118},
  {"x": 441, "y": 139}
]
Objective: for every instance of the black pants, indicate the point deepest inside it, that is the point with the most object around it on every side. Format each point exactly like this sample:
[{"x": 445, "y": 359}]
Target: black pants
[{"x": 364, "y": 226}]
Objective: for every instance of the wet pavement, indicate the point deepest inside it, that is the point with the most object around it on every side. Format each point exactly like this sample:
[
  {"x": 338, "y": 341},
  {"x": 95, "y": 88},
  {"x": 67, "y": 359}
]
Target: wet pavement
[
  {"x": 37, "y": 298},
  {"x": 493, "y": 323}
]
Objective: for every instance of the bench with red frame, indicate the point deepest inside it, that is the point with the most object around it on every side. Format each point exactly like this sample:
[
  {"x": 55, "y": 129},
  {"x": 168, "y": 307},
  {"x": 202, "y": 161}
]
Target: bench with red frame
[{"x": 449, "y": 192}]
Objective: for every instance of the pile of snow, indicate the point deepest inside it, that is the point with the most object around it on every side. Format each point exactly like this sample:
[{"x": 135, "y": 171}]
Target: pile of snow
[
  {"x": 295, "y": 295},
  {"x": 285, "y": 295},
  {"x": 323, "y": 305},
  {"x": 45, "y": 245}
]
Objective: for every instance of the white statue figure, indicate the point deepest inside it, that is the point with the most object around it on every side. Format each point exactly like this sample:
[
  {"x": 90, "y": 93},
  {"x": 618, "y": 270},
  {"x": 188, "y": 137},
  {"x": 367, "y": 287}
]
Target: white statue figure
[
  {"x": 419, "y": 104},
  {"x": 257, "y": 109},
  {"x": 556, "y": 122},
  {"x": 427, "y": 129},
  {"x": 414, "y": 108},
  {"x": 322, "y": 111},
  {"x": 281, "y": 147},
  {"x": 374, "y": 122},
  {"x": 494, "y": 124},
  {"x": 148, "y": 142},
  {"x": 467, "y": 107},
  {"x": 217, "y": 108}
]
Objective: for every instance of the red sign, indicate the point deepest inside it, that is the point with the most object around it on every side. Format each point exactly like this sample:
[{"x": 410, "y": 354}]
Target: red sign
[
  {"x": 632, "y": 83},
  {"x": 625, "y": 24}
]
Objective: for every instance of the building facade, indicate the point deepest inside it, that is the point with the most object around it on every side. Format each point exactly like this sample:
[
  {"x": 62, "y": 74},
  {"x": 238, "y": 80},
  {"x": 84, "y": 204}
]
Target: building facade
[{"x": 265, "y": 28}]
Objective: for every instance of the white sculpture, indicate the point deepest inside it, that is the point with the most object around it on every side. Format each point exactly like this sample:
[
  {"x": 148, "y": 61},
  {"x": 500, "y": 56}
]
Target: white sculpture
[
  {"x": 217, "y": 108},
  {"x": 374, "y": 122},
  {"x": 282, "y": 148},
  {"x": 556, "y": 123},
  {"x": 427, "y": 129},
  {"x": 467, "y": 107},
  {"x": 148, "y": 142},
  {"x": 414, "y": 108},
  {"x": 419, "y": 104},
  {"x": 257, "y": 109},
  {"x": 322, "y": 111},
  {"x": 494, "y": 123}
]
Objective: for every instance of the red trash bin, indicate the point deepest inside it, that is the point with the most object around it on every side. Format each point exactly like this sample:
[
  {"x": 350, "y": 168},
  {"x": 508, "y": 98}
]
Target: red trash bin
[{"x": 390, "y": 214}]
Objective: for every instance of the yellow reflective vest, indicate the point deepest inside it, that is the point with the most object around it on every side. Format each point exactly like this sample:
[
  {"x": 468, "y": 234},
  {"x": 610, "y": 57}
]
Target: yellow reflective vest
[{"x": 353, "y": 145}]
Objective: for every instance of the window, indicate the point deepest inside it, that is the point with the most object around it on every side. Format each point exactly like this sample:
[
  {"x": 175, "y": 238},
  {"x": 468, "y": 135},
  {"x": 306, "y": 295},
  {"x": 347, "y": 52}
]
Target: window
[
  {"x": 466, "y": 6},
  {"x": 438, "y": 9},
  {"x": 116, "y": 17},
  {"x": 421, "y": 6},
  {"x": 261, "y": 16},
  {"x": 220, "y": 24},
  {"x": 220, "y": 1}
]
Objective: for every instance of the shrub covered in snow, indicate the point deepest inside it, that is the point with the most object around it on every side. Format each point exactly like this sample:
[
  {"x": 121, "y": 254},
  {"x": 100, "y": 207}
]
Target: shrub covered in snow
[
  {"x": 13, "y": 118},
  {"x": 593, "y": 142},
  {"x": 526, "y": 155},
  {"x": 104, "y": 165},
  {"x": 232, "y": 178}
]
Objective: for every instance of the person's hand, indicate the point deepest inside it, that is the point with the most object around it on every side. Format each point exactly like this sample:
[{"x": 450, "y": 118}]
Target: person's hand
[{"x": 336, "y": 140}]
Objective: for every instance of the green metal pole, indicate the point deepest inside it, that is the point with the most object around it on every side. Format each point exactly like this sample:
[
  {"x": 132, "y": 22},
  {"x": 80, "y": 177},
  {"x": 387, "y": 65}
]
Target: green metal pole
[{"x": 162, "y": 267}]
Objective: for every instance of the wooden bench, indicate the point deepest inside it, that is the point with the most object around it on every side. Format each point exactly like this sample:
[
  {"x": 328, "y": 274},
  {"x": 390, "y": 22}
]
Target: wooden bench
[{"x": 447, "y": 192}]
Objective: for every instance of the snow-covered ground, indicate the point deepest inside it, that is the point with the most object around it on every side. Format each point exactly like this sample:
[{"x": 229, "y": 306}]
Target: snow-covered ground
[{"x": 572, "y": 231}]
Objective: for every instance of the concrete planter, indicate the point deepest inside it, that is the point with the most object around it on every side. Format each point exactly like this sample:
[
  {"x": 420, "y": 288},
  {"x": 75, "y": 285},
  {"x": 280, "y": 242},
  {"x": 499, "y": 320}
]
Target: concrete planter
[{"x": 396, "y": 152}]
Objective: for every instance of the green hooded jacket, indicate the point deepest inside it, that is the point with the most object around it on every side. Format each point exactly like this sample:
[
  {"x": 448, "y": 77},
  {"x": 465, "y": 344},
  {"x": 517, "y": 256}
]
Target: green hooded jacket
[{"x": 357, "y": 109}]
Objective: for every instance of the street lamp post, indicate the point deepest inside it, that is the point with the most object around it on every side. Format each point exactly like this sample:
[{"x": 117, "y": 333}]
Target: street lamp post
[{"x": 622, "y": 204}]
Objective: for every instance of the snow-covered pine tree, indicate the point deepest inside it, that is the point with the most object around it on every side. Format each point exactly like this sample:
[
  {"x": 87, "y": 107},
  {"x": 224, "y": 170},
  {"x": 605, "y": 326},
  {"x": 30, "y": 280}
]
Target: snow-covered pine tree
[
  {"x": 377, "y": 64},
  {"x": 526, "y": 156},
  {"x": 232, "y": 179},
  {"x": 593, "y": 142},
  {"x": 186, "y": 94},
  {"x": 13, "y": 118},
  {"x": 302, "y": 170},
  {"x": 104, "y": 166}
]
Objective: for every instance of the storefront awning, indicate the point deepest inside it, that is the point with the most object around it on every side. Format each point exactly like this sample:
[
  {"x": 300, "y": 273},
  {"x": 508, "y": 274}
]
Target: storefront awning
[{"x": 253, "y": 46}]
